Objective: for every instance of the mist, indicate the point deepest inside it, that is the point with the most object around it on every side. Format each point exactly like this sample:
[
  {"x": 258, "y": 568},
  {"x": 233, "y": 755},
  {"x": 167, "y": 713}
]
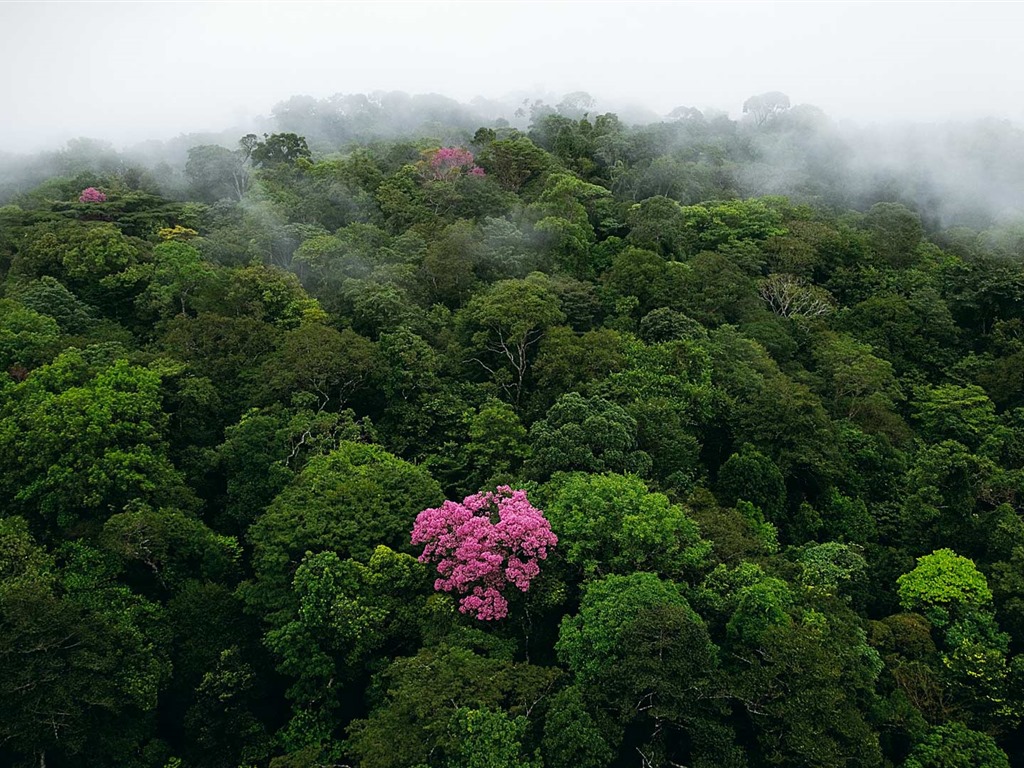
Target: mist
[
  {"x": 127, "y": 72},
  {"x": 915, "y": 102}
]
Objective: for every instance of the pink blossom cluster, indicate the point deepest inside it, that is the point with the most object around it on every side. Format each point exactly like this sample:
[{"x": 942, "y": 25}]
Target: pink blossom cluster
[
  {"x": 449, "y": 162},
  {"x": 482, "y": 545},
  {"x": 92, "y": 195}
]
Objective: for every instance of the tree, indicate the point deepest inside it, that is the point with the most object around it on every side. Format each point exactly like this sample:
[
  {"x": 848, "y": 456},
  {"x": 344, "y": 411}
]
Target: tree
[
  {"x": 497, "y": 445},
  {"x": 575, "y": 104},
  {"x": 83, "y": 255},
  {"x": 568, "y": 361},
  {"x": 48, "y": 296},
  {"x": 503, "y": 326},
  {"x": 345, "y": 615},
  {"x": 92, "y": 195},
  {"x": 790, "y": 296},
  {"x": 666, "y": 324},
  {"x": 487, "y": 739},
  {"x": 82, "y": 657},
  {"x": 566, "y": 213},
  {"x": 752, "y": 476},
  {"x": 612, "y": 524},
  {"x": 572, "y": 736},
  {"x": 412, "y": 719},
  {"x": 895, "y": 233},
  {"x": 951, "y": 412},
  {"x": 859, "y": 383},
  {"x": 446, "y": 163},
  {"x": 221, "y": 722},
  {"x": 944, "y": 586},
  {"x": 278, "y": 149},
  {"x": 218, "y": 173},
  {"x": 638, "y": 648},
  {"x": 766, "y": 106},
  {"x": 733, "y": 226},
  {"x": 482, "y": 545},
  {"x": 593, "y": 643},
  {"x": 172, "y": 545},
  {"x": 315, "y": 358},
  {"x": 714, "y": 291},
  {"x": 515, "y": 162},
  {"x": 915, "y": 332},
  {"x": 349, "y": 501},
  {"x": 27, "y": 338},
  {"x": 585, "y": 435},
  {"x": 645, "y": 275},
  {"x": 97, "y": 442},
  {"x": 269, "y": 294},
  {"x": 171, "y": 280},
  {"x": 955, "y": 746}
]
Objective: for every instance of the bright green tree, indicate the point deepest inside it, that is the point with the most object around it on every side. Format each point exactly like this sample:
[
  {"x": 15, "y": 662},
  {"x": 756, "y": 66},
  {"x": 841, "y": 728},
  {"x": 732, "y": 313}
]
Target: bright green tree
[
  {"x": 612, "y": 524},
  {"x": 348, "y": 501}
]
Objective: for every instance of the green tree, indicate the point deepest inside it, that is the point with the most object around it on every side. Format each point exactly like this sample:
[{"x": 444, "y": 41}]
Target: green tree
[
  {"x": 951, "y": 412},
  {"x": 860, "y": 385},
  {"x": 422, "y": 694},
  {"x": 487, "y": 739},
  {"x": 314, "y": 358},
  {"x": 171, "y": 544},
  {"x": 752, "y": 476},
  {"x": 612, "y": 524},
  {"x": 49, "y": 296},
  {"x": 658, "y": 224},
  {"x": 944, "y": 586},
  {"x": 504, "y": 324},
  {"x": 955, "y": 746},
  {"x": 516, "y": 162},
  {"x": 97, "y": 437},
  {"x": 85, "y": 256},
  {"x": 349, "y": 501},
  {"x": 572, "y": 737},
  {"x": 27, "y": 338},
  {"x": 171, "y": 280},
  {"x": 587, "y": 435},
  {"x": 895, "y": 233},
  {"x": 224, "y": 728},
  {"x": 82, "y": 658},
  {"x": 217, "y": 173},
  {"x": 279, "y": 149},
  {"x": 639, "y": 648},
  {"x": 345, "y": 615}
]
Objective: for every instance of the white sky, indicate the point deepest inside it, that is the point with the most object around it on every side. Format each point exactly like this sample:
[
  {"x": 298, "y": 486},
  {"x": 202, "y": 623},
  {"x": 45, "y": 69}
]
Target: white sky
[{"x": 135, "y": 70}]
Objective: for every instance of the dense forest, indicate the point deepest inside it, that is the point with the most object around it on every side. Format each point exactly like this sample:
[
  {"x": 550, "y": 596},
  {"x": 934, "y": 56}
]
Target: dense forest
[{"x": 385, "y": 439}]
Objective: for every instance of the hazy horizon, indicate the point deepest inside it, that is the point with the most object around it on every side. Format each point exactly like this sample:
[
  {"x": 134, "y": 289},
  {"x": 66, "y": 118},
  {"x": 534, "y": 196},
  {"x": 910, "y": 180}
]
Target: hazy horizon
[{"x": 128, "y": 72}]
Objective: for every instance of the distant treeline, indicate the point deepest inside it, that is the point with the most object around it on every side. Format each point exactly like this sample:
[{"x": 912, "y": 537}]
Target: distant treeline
[{"x": 960, "y": 173}]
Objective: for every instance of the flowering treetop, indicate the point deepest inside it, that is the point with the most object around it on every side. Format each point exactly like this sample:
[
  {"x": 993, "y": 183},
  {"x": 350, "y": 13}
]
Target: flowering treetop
[
  {"x": 447, "y": 163},
  {"x": 482, "y": 545},
  {"x": 92, "y": 195}
]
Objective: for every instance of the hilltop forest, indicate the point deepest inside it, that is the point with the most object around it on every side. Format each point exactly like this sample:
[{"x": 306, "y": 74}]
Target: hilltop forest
[{"x": 387, "y": 439}]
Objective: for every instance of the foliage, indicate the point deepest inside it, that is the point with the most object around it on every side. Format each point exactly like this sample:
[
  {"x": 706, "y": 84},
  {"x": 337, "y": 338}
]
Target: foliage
[
  {"x": 955, "y": 746},
  {"x": 92, "y": 195},
  {"x": 482, "y": 545},
  {"x": 612, "y": 524},
  {"x": 778, "y": 440},
  {"x": 350, "y": 501},
  {"x": 946, "y": 581}
]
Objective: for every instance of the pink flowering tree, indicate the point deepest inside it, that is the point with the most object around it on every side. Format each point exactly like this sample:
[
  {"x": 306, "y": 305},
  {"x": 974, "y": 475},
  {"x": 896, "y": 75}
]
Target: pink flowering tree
[
  {"x": 92, "y": 195},
  {"x": 481, "y": 546},
  {"x": 448, "y": 163}
]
